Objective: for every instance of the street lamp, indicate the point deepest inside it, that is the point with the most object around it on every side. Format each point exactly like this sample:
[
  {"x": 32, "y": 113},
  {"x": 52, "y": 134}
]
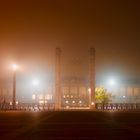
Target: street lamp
[
  {"x": 111, "y": 82},
  {"x": 14, "y": 67},
  {"x": 91, "y": 103},
  {"x": 35, "y": 84}
]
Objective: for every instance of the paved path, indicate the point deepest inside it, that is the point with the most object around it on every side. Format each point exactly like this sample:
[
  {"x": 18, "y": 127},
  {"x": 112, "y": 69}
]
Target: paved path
[{"x": 69, "y": 125}]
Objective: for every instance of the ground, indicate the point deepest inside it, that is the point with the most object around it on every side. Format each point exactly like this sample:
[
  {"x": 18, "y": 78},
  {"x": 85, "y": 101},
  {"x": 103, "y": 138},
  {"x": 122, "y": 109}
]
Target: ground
[{"x": 69, "y": 125}]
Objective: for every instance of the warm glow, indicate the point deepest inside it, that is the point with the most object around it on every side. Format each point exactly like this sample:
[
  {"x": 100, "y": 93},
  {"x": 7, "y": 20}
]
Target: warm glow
[
  {"x": 33, "y": 97},
  {"x": 49, "y": 96},
  {"x": 89, "y": 90},
  {"x": 73, "y": 102},
  {"x": 92, "y": 103},
  {"x": 14, "y": 67},
  {"x": 67, "y": 102},
  {"x": 80, "y": 102},
  {"x": 71, "y": 96},
  {"x": 41, "y": 102}
]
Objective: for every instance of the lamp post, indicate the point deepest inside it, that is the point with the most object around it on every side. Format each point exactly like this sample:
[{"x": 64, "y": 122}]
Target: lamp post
[
  {"x": 92, "y": 78},
  {"x": 15, "y": 67},
  {"x": 89, "y": 94},
  {"x": 35, "y": 84}
]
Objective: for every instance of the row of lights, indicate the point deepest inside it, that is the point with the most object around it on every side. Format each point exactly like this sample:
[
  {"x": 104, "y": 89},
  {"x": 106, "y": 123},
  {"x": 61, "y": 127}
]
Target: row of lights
[
  {"x": 15, "y": 67},
  {"x": 80, "y": 102}
]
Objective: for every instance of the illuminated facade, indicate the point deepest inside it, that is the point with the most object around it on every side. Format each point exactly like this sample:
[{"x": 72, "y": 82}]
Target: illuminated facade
[
  {"x": 126, "y": 94},
  {"x": 74, "y": 94}
]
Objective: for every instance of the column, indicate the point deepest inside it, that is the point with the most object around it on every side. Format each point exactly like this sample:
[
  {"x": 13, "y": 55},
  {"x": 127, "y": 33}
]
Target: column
[
  {"x": 92, "y": 78},
  {"x": 58, "y": 79}
]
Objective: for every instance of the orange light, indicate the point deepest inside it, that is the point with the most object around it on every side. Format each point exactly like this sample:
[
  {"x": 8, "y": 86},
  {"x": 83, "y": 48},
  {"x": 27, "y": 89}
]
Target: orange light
[
  {"x": 89, "y": 90},
  {"x": 92, "y": 103}
]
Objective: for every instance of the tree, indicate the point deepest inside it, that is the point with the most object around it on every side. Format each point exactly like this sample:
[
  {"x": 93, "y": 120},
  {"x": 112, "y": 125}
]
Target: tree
[{"x": 102, "y": 95}]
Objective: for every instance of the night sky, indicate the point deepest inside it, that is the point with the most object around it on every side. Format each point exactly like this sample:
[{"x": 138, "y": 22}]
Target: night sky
[{"x": 31, "y": 30}]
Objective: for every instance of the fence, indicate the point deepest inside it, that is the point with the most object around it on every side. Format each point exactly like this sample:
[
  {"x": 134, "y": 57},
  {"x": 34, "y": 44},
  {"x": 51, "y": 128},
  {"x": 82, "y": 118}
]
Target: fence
[{"x": 118, "y": 106}]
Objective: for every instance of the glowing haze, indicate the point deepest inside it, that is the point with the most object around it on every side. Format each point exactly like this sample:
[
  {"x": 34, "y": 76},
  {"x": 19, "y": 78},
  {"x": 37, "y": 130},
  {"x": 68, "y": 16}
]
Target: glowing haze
[{"x": 30, "y": 32}]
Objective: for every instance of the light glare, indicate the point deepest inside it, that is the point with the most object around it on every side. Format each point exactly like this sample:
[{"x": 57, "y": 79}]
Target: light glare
[
  {"x": 33, "y": 97},
  {"x": 92, "y": 103},
  {"x": 35, "y": 82},
  {"x": 15, "y": 67},
  {"x": 111, "y": 82}
]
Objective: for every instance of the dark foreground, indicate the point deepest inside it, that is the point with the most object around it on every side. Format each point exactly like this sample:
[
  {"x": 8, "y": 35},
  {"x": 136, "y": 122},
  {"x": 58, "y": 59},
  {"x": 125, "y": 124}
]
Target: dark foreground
[{"x": 69, "y": 125}]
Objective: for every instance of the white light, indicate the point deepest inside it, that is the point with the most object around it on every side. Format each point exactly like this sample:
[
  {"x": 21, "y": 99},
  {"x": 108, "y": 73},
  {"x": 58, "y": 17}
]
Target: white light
[
  {"x": 67, "y": 102},
  {"x": 111, "y": 82},
  {"x": 123, "y": 96},
  {"x": 80, "y": 102},
  {"x": 16, "y": 102},
  {"x": 35, "y": 82},
  {"x": 14, "y": 67}
]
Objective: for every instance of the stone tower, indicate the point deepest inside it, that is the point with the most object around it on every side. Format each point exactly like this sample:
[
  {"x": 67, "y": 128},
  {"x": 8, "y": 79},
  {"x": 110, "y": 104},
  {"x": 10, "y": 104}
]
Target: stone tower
[
  {"x": 58, "y": 79},
  {"x": 92, "y": 78}
]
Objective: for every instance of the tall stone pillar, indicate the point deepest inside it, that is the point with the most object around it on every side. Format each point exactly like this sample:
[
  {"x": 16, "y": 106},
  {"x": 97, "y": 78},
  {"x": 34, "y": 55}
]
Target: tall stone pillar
[
  {"x": 92, "y": 79},
  {"x": 58, "y": 79}
]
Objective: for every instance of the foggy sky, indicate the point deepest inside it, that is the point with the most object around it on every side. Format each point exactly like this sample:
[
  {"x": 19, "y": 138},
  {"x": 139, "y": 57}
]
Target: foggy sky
[{"x": 30, "y": 32}]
